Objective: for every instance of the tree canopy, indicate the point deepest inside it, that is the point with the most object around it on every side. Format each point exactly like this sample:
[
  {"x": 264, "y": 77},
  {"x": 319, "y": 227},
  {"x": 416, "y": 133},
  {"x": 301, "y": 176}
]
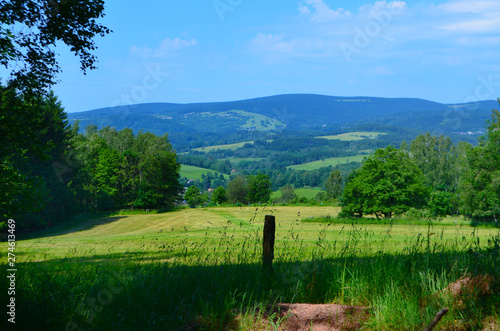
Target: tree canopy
[
  {"x": 480, "y": 183},
  {"x": 30, "y": 30},
  {"x": 388, "y": 183}
]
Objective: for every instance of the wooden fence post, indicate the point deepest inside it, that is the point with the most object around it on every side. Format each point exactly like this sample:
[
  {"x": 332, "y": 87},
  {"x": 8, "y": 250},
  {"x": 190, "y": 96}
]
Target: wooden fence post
[{"x": 268, "y": 244}]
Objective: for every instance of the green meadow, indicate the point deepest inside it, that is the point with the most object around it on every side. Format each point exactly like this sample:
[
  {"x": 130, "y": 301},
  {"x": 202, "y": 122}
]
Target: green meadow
[
  {"x": 192, "y": 172},
  {"x": 354, "y": 136},
  {"x": 202, "y": 267},
  {"x": 334, "y": 161},
  {"x": 236, "y": 160},
  {"x": 309, "y": 193},
  {"x": 231, "y": 147}
]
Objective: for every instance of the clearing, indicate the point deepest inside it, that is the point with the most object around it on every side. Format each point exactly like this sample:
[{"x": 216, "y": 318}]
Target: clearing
[
  {"x": 354, "y": 136},
  {"x": 328, "y": 162}
]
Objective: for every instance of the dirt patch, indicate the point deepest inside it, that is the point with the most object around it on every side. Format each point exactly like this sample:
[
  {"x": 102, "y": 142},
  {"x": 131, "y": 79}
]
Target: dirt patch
[
  {"x": 320, "y": 317},
  {"x": 292, "y": 317},
  {"x": 470, "y": 288},
  {"x": 478, "y": 285}
]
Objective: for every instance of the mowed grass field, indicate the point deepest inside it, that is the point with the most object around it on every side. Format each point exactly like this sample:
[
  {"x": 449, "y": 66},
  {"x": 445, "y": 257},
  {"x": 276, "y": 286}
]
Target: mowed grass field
[
  {"x": 309, "y": 193},
  {"x": 354, "y": 136},
  {"x": 140, "y": 232},
  {"x": 231, "y": 147},
  {"x": 167, "y": 271},
  {"x": 327, "y": 162},
  {"x": 192, "y": 172}
]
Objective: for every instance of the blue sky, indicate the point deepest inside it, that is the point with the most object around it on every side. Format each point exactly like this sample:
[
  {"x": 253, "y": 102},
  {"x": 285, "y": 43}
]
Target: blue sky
[{"x": 219, "y": 50}]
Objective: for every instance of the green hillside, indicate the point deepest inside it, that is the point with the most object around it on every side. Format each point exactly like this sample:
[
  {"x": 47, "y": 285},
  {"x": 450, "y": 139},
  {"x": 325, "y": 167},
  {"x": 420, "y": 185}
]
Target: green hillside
[
  {"x": 192, "y": 172},
  {"x": 309, "y": 193},
  {"x": 290, "y": 112},
  {"x": 354, "y": 136},
  {"x": 334, "y": 161},
  {"x": 231, "y": 147}
]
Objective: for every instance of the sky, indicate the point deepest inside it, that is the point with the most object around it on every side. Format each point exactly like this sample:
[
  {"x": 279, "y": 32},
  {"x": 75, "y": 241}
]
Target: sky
[{"x": 222, "y": 50}]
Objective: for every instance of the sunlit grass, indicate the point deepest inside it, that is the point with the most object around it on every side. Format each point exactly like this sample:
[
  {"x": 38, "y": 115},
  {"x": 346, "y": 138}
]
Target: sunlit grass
[
  {"x": 334, "y": 161},
  {"x": 169, "y": 270},
  {"x": 354, "y": 136},
  {"x": 192, "y": 172}
]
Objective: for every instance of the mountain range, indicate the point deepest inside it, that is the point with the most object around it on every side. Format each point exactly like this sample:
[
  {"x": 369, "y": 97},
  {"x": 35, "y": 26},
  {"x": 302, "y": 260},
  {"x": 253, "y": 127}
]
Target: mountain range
[{"x": 292, "y": 112}]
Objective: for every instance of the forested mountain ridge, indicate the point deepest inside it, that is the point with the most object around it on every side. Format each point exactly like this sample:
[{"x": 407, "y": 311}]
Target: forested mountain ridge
[{"x": 290, "y": 112}]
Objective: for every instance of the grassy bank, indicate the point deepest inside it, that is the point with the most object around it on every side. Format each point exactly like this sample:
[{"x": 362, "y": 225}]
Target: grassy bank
[{"x": 165, "y": 271}]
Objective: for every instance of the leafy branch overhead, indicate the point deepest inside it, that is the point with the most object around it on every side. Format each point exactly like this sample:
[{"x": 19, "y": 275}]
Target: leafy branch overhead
[{"x": 30, "y": 30}]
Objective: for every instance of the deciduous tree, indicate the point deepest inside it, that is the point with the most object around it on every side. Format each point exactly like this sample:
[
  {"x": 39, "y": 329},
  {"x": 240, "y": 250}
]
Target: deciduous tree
[
  {"x": 288, "y": 193},
  {"x": 31, "y": 29},
  {"x": 480, "y": 183},
  {"x": 333, "y": 185},
  {"x": 237, "y": 190},
  {"x": 259, "y": 189},
  {"x": 219, "y": 195},
  {"x": 388, "y": 183}
]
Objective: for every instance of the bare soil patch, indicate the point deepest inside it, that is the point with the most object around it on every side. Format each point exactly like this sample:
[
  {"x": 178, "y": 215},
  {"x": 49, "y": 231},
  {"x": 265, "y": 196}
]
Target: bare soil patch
[
  {"x": 296, "y": 317},
  {"x": 320, "y": 317}
]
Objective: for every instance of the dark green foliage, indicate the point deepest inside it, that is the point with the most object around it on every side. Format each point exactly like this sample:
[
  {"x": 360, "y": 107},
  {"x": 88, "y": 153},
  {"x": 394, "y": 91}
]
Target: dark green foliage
[
  {"x": 193, "y": 196},
  {"x": 437, "y": 158},
  {"x": 388, "y": 183},
  {"x": 259, "y": 188},
  {"x": 480, "y": 183},
  {"x": 45, "y": 24},
  {"x": 123, "y": 170},
  {"x": 35, "y": 160},
  {"x": 440, "y": 203},
  {"x": 333, "y": 185},
  {"x": 237, "y": 190},
  {"x": 40, "y": 179},
  {"x": 145, "y": 199},
  {"x": 288, "y": 193},
  {"x": 219, "y": 195}
]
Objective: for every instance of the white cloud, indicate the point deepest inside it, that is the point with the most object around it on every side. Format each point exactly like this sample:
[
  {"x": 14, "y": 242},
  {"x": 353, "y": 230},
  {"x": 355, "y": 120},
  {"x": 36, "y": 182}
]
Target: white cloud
[
  {"x": 274, "y": 43},
  {"x": 476, "y": 7},
  {"x": 393, "y": 7},
  {"x": 472, "y": 16},
  {"x": 320, "y": 12},
  {"x": 479, "y": 25},
  {"x": 166, "y": 47},
  {"x": 279, "y": 48}
]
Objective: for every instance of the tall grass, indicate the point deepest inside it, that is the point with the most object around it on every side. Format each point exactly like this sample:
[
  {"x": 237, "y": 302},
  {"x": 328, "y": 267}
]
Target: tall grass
[{"x": 206, "y": 281}]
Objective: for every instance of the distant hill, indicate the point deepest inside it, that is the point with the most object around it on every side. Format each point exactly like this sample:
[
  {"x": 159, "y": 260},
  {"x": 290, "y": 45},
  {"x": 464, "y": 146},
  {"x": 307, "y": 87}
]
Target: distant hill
[{"x": 291, "y": 112}]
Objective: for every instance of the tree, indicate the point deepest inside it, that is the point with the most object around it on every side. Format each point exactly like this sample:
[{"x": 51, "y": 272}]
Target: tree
[
  {"x": 480, "y": 183},
  {"x": 333, "y": 185},
  {"x": 34, "y": 156},
  {"x": 237, "y": 190},
  {"x": 388, "y": 183},
  {"x": 440, "y": 203},
  {"x": 145, "y": 175},
  {"x": 437, "y": 158},
  {"x": 37, "y": 175},
  {"x": 30, "y": 30},
  {"x": 193, "y": 196},
  {"x": 219, "y": 195},
  {"x": 288, "y": 193},
  {"x": 259, "y": 188}
]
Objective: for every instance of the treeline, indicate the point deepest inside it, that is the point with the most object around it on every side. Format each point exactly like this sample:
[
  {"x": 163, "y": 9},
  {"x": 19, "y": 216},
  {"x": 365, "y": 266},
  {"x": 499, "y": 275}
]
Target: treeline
[
  {"x": 121, "y": 170},
  {"x": 50, "y": 172},
  {"x": 432, "y": 176},
  {"x": 202, "y": 161},
  {"x": 240, "y": 190}
]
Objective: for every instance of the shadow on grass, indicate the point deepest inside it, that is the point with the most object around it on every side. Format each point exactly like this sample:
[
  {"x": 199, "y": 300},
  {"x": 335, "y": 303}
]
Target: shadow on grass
[
  {"x": 86, "y": 223},
  {"x": 118, "y": 292}
]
